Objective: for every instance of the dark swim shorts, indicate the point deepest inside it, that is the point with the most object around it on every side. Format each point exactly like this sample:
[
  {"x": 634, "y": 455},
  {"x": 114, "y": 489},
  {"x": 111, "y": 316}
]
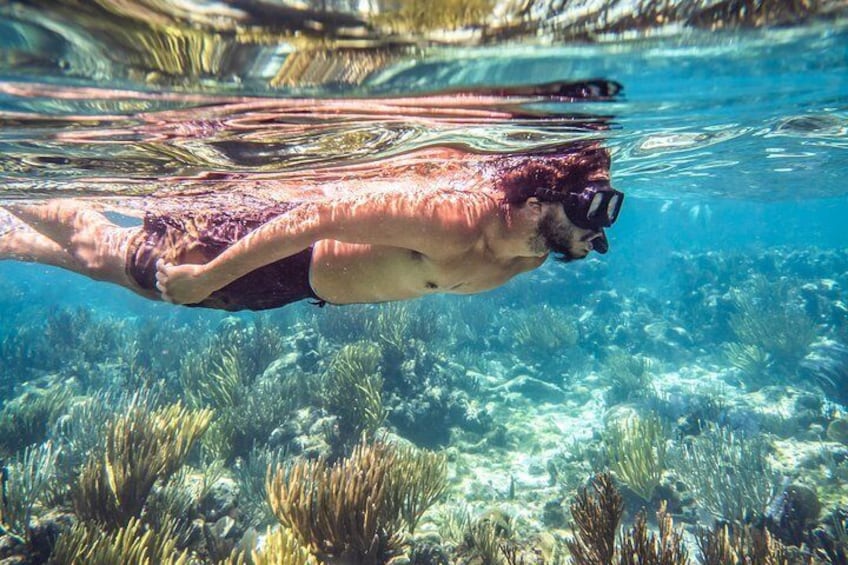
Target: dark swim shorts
[{"x": 202, "y": 237}]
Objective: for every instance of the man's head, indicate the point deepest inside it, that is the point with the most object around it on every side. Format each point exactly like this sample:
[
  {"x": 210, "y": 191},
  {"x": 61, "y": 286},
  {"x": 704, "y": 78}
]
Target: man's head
[{"x": 569, "y": 194}]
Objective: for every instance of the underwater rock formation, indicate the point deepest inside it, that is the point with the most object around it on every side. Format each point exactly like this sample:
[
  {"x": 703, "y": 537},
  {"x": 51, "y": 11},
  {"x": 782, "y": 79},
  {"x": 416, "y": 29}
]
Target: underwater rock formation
[{"x": 792, "y": 514}]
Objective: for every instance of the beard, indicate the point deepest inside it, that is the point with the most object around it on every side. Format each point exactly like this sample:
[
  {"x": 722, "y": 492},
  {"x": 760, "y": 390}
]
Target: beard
[{"x": 556, "y": 237}]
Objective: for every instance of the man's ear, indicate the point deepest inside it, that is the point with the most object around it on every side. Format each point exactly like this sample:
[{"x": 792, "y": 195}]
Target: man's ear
[{"x": 534, "y": 204}]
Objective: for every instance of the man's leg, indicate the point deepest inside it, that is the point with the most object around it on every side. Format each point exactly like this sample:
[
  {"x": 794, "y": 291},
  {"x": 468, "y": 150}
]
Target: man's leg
[
  {"x": 22, "y": 243},
  {"x": 68, "y": 234}
]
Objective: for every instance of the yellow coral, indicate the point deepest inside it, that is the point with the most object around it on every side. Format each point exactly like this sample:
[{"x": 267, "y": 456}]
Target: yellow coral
[
  {"x": 353, "y": 391},
  {"x": 141, "y": 447},
  {"x": 279, "y": 547},
  {"x": 636, "y": 449},
  {"x": 358, "y": 508},
  {"x": 134, "y": 543}
]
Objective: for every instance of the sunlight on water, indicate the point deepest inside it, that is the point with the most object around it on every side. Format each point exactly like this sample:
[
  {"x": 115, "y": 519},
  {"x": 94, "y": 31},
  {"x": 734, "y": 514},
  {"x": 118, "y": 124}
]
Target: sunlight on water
[{"x": 691, "y": 104}]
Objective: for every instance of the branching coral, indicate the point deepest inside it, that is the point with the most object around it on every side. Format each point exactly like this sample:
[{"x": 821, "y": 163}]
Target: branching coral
[
  {"x": 279, "y": 547},
  {"x": 248, "y": 406},
  {"x": 26, "y": 420},
  {"x": 392, "y": 324},
  {"x": 250, "y": 475},
  {"x": 60, "y": 340},
  {"x": 741, "y": 544},
  {"x": 636, "y": 450},
  {"x": 212, "y": 381},
  {"x": 174, "y": 506},
  {"x": 339, "y": 324},
  {"x": 80, "y": 432},
  {"x": 541, "y": 330},
  {"x": 133, "y": 543},
  {"x": 270, "y": 403},
  {"x": 23, "y": 482},
  {"x": 356, "y": 510},
  {"x": 141, "y": 447},
  {"x": 483, "y": 541},
  {"x": 254, "y": 345},
  {"x": 629, "y": 377},
  {"x": 752, "y": 360},
  {"x": 417, "y": 479},
  {"x": 639, "y": 547},
  {"x": 74, "y": 338},
  {"x": 395, "y": 325},
  {"x": 767, "y": 318},
  {"x": 489, "y": 538},
  {"x": 222, "y": 372},
  {"x": 353, "y": 392},
  {"x": 597, "y": 515},
  {"x": 730, "y": 476}
]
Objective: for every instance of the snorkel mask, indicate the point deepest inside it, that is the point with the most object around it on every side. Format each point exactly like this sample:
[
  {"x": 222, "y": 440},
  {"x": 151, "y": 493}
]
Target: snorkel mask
[{"x": 594, "y": 208}]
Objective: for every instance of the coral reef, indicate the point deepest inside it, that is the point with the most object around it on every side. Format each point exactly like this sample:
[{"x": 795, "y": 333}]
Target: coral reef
[
  {"x": 131, "y": 543},
  {"x": 827, "y": 365},
  {"x": 250, "y": 475},
  {"x": 539, "y": 332},
  {"x": 743, "y": 544},
  {"x": 357, "y": 510},
  {"x": 24, "y": 482},
  {"x": 629, "y": 377},
  {"x": 597, "y": 516},
  {"x": 730, "y": 476},
  {"x": 279, "y": 547},
  {"x": 141, "y": 447},
  {"x": 352, "y": 392},
  {"x": 768, "y": 319},
  {"x": 694, "y": 390},
  {"x": 636, "y": 451},
  {"x": 26, "y": 420}
]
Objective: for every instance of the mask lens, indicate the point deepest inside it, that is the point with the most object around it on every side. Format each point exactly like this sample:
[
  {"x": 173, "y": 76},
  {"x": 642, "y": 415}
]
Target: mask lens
[
  {"x": 613, "y": 207},
  {"x": 594, "y": 205}
]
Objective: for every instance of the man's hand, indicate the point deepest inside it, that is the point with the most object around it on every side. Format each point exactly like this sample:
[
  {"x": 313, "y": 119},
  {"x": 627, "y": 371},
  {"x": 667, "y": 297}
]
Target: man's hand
[{"x": 181, "y": 284}]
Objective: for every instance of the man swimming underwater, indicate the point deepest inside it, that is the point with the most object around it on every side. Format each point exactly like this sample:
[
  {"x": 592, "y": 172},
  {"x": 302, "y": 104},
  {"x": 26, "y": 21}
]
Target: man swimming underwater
[{"x": 457, "y": 224}]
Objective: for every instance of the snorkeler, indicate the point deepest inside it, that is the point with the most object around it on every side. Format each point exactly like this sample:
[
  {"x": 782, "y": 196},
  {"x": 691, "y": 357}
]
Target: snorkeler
[{"x": 458, "y": 224}]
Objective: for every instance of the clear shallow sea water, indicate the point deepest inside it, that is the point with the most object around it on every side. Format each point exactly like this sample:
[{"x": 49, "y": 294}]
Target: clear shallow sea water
[{"x": 732, "y": 148}]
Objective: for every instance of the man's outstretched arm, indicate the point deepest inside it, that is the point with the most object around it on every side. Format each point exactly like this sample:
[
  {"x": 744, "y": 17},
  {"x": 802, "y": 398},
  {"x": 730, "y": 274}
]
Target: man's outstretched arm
[{"x": 434, "y": 224}]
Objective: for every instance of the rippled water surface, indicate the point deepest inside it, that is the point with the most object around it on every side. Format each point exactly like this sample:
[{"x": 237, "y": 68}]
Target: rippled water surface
[{"x": 747, "y": 115}]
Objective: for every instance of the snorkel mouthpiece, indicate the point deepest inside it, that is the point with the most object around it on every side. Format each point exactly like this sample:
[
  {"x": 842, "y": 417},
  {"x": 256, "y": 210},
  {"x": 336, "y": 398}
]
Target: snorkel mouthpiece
[{"x": 601, "y": 243}]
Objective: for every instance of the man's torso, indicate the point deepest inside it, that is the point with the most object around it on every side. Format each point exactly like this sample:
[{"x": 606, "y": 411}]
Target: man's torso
[{"x": 344, "y": 273}]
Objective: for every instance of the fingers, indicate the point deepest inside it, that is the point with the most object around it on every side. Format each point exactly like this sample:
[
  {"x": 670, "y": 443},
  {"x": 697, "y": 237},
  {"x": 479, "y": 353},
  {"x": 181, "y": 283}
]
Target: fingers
[{"x": 162, "y": 280}]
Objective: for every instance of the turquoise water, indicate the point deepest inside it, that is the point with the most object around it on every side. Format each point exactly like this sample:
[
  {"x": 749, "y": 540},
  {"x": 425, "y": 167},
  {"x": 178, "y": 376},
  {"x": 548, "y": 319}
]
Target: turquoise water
[{"x": 719, "y": 314}]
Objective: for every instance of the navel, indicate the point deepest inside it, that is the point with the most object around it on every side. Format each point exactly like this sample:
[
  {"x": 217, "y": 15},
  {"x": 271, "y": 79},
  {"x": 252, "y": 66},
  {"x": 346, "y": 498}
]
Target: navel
[{"x": 431, "y": 285}]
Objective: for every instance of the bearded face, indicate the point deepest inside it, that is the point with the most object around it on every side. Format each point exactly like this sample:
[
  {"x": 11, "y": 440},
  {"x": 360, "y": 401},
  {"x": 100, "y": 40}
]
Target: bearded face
[{"x": 558, "y": 235}]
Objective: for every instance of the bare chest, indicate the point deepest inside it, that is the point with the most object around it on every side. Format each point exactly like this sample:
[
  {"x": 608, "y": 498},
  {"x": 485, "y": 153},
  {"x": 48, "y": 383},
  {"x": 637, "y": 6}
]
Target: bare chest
[{"x": 348, "y": 273}]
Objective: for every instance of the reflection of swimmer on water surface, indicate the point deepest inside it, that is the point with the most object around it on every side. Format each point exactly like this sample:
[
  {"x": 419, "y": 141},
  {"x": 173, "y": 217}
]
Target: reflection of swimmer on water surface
[{"x": 467, "y": 230}]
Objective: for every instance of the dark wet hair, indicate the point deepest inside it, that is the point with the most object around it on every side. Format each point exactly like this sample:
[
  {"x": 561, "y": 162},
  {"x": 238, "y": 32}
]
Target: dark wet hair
[{"x": 566, "y": 169}]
